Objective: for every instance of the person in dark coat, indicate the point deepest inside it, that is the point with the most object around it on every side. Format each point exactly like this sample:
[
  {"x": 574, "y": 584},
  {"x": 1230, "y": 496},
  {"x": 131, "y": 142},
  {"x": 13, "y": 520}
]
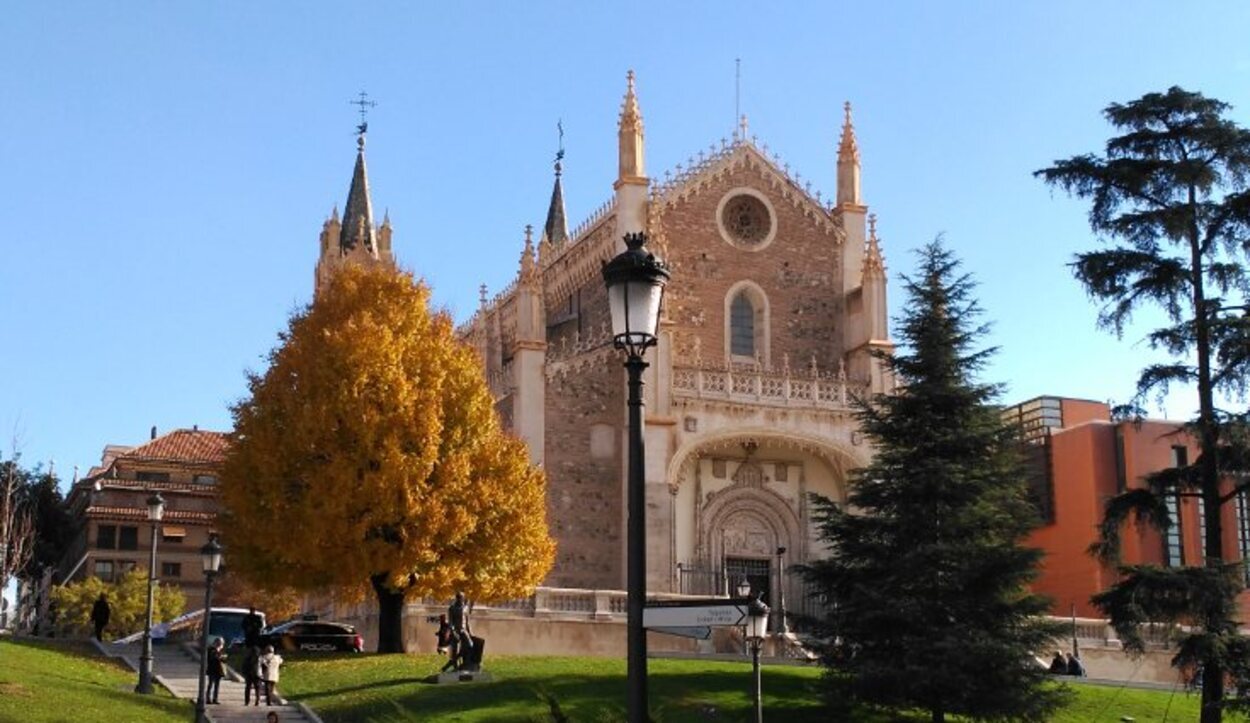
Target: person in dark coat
[
  {"x": 1075, "y": 667},
  {"x": 1058, "y": 666},
  {"x": 215, "y": 667},
  {"x": 100, "y": 613},
  {"x": 252, "y": 625},
  {"x": 251, "y": 674}
]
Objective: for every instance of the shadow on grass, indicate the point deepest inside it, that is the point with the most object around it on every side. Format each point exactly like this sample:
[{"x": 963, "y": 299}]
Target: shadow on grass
[{"x": 722, "y": 696}]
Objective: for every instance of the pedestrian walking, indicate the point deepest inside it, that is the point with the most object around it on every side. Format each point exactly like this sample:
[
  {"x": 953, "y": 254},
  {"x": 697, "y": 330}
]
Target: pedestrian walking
[
  {"x": 270, "y": 662},
  {"x": 215, "y": 668},
  {"x": 251, "y": 675},
  {"x": 100, "y": 613}
]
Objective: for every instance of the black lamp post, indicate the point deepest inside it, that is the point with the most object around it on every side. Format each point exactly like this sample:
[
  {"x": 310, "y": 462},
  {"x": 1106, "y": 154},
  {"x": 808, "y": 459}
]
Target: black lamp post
[
  {"x": 756, "y": 630},
  {"x": 210, "y": 556},
  {"x": 156, "y": 510},
  {"x": 782, "y": 627},
  {"x": 635, "y": 281}
]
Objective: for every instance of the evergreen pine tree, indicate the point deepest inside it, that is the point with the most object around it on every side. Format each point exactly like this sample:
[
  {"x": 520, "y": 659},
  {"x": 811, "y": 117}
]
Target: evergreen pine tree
[{"x": 926, "y": 583}]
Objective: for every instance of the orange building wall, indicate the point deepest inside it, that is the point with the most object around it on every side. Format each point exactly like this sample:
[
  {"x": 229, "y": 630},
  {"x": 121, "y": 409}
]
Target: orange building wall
[{"x": 1084, "y": 477}]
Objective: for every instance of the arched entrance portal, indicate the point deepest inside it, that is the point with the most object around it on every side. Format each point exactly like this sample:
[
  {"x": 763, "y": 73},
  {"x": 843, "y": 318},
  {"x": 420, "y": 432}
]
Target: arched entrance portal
[{"x": 742, "y": 510}]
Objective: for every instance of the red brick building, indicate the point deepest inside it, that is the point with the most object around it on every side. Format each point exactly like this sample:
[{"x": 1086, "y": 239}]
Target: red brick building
[{"x": 1082, "y": 458}]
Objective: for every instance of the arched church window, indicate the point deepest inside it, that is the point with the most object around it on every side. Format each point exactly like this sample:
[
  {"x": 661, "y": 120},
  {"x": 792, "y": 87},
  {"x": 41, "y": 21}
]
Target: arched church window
[
  {"x": 742, "y": 326},
  {"x": 746, "y": 324}
]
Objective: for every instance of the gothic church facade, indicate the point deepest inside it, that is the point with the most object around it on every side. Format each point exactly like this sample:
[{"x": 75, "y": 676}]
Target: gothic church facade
[{"x": 776, "y": 306}]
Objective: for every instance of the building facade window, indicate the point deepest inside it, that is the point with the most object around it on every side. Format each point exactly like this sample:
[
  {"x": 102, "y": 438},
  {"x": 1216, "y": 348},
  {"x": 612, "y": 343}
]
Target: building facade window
[
  {"x": 171, "y": 569},
  {"x": 124, "y": 566},
  {"x": 152, "y": 476},
  {"x": 128, "y": 538},
  {"x": 742, "y": 326},
  {"x": 173, "y": 533},
  {"x": 1243, "y": 532},
  {"x": 104, "y": 570},
  {"x": 1173, "y": 552},
  {"x": 747, "y": 324},
  {"x": 106, "y": 537},
  {"x": 204, "y": 479}
]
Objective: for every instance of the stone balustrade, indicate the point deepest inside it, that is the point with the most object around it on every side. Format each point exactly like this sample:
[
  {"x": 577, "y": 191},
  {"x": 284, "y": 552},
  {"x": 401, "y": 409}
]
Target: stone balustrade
[{"x": 770, "y": 388}]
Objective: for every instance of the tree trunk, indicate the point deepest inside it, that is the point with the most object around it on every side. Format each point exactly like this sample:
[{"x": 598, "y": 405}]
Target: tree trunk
[
  {"x": 1208, "y": 437},
  {"x": 390, "y": 615}
]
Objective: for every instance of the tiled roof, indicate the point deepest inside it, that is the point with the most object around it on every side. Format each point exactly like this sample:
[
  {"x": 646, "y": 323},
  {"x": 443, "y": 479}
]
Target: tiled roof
[
  {"x": 183, "y": 445},
  {"x": 141, "y": 514}
]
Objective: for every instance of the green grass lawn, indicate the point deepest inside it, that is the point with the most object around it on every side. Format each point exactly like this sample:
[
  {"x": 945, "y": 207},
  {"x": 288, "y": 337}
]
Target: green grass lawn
[
  {"x": 70, "y": 682},
  {"x": 57, "y": 682},
  {"x": 381, "y": 689}
]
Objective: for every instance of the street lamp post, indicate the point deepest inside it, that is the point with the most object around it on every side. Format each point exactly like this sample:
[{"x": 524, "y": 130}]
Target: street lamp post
[
  {"x": 635, "y": 281},
  {"x": 782, "y": 626},
  {"x": 156, "y": 510},
  {"x": 756, "y": 630},
  {"x": 210, "y": 556}
]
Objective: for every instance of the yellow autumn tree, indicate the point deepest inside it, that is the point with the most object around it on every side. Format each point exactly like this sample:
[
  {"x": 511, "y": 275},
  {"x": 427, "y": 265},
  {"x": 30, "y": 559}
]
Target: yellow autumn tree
[{"x": 369, "y": 454}]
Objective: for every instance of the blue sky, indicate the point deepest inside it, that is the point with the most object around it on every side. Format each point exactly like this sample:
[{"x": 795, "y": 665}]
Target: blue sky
[{"x": 167, "y": 166}]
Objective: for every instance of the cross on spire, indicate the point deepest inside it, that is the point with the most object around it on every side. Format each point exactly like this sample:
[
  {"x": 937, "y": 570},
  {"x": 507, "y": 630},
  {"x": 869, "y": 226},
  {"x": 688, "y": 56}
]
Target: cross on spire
[{"x": 364, "y": 104}]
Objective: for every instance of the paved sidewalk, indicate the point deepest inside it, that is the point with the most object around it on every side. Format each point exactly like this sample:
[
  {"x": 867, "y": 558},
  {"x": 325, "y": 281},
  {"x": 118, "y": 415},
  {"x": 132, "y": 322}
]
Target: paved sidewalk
[{"x": 177, "y": 668}]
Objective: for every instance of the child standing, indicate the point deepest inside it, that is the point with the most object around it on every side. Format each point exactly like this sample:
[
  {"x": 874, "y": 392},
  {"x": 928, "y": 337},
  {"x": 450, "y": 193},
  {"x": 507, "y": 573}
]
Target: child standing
[{"x": 270, "y": 662}]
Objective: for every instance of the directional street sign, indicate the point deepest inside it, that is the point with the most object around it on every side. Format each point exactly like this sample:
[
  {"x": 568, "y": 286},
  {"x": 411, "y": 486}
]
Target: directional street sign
[
  {"x": 711, "y": 612},
  {"x": 698, "y": 633}
]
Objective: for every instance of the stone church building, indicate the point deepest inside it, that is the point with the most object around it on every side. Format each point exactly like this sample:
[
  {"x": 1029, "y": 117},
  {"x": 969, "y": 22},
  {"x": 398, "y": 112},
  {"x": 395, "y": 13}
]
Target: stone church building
[{"x": 776, "y": 305}]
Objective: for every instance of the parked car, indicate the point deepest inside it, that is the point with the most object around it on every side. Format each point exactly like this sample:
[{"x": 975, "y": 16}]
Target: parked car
[
  {"x": 313, "y": 636},
  {"x": 227, "y": 624}
]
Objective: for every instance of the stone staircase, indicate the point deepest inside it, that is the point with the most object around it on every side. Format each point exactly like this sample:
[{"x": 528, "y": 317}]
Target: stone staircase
[{"x": 177, "y": 668}]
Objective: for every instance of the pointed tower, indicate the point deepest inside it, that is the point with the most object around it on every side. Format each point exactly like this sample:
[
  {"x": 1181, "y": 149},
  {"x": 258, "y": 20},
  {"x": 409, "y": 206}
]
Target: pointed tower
[
  {"x": 849, "y": 206},
  {"x": 870, "y": 323},
  {"x": 556, "y": 230},
  {"x": 631, "y": 179},
  {"x": 529, "y": 354},
  {"x": 354, "y": 239}
]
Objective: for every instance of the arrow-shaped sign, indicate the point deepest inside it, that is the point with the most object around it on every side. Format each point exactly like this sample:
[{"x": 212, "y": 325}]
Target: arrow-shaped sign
[{"x": 694, "y": 613}]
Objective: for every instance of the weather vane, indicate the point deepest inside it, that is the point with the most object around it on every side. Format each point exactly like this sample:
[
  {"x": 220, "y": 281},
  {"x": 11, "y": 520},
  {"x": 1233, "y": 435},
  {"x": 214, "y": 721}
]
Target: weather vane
[
  {"x": 560, "y": 128},
  {"x": 365, "y": 104}
]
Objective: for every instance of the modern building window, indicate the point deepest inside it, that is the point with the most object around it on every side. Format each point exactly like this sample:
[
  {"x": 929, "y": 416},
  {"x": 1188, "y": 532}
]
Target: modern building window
[
  {"x": 173, "y": 533},
  {"x": 1201, "y": 553},
  {"x": 104, "y": 570},
  {"x": 106, "y": 539},
  {"x": 742, "y": 326},
  {"x": 1173, "y": 552},
  {"x": 1243, "y": 532},
  {"x": 128, "y": 538},
  {"x": 171, "y": 569},
  {"x": 152, "y": 476}
]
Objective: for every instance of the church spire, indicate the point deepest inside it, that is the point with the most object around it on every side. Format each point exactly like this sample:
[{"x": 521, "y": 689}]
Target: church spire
[
  {"x": 358, "y": 231},
  {"x": 632, "y": 167},
  {"x": 556, "y": 230},
  {"x": 848, "y": 162},
  {"x": 874, "y": 261}
]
